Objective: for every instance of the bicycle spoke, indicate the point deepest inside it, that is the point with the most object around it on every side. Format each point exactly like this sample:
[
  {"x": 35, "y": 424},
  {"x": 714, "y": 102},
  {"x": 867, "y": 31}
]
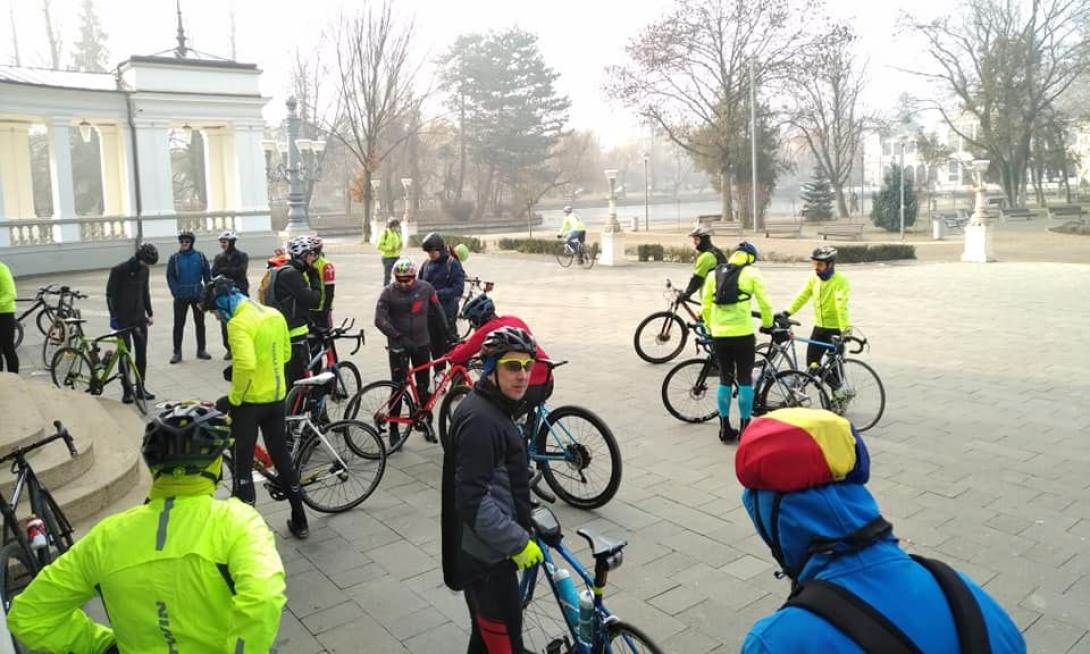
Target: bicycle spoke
[{"x": 341, "y": 467}]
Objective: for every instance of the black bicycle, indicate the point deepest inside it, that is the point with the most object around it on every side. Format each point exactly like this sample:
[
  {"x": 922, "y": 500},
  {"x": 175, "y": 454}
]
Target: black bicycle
[
  {"x": 324, "y": 357},
  {"x": 66, "y": 327},
  {"x": 474, "y": 287},
  {"x": 40, "y": 305},
  {"x": 661, "y": 336}
]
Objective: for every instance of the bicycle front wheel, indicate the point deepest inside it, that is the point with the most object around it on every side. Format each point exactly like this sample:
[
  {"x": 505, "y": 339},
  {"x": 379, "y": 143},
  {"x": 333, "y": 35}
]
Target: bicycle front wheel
[
  {"x": 55, "y": 338},
  {"x": 71, "y": 368},
  {"x": 860, "y": 396},
  {"x": 16, "y": 573},
  {"x": 44, "y": 319},
  {"x": 380, "y": 402},
  {"x": 334, "y": 477},
  {"x": 623, "y": 638},
  {"x": 347, "y": 384},
  {"x": 689, "y": 390},
  {"x": 564, "y": 257},
  {"x": 791, "y": 388},
  {"x": 453, "y": 398},
  {"x": 578, "y": 456},
  {"x": 660, "y": 337}
]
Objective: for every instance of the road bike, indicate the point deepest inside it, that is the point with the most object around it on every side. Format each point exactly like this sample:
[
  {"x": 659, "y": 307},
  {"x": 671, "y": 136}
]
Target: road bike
[
  {"x": 45, "y": 310},
  {"x": 62, "y": 330},
  {"x": 323, "y": 348},
  {"x": 85, "y": 367},
  {"x": 661, "y": 336},
  {"x": 474, "y": 286}
]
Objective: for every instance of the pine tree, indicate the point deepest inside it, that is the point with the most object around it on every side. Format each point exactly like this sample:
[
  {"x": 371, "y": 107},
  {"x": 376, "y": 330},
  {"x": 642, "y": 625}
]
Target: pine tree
[
  {"x": 886, "y": 211},
  {"x": 90, "y": 50},
  {"x": 818, "y": 197}
]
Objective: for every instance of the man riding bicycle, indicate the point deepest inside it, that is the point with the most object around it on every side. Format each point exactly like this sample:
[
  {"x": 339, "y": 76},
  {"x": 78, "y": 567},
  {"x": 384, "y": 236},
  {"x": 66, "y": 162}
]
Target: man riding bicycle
[
  {"x": 182, "y": 572},
  {"x": 709, "y": 257},
  {"x": 830, "y": 290},
  {"x": 572, "y": 230}
]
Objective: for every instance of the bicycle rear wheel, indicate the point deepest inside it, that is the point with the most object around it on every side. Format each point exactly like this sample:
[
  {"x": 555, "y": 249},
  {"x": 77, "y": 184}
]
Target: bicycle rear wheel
[
  {"x": 453, "y": 398},
  {"x": 587, "y": 262},
  {"x": 860, "y": 397},
  {"x": 689, "y": 390},
  {"x": 16, "y": 573},
  {"x": 334, "y": 477},
  {"x": 578, "y": 457},
  {"x": 71, "y": 368},
  {"x": 55, "y": 338},
  {"x": 623, "y": 638},
  {"x": 660, "y": 337},
  {"x": 347, "y": 384},
  {"x": 378, "y": 401},
  {"x": 792, "y": 388}
]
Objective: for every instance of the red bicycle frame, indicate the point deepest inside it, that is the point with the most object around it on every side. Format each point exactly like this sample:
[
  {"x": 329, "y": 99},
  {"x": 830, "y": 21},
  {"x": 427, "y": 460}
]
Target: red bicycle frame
[{"x": 455, "y": 372}]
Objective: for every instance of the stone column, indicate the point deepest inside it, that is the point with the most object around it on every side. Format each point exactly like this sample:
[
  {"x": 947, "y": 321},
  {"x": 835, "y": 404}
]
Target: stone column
[
  {"x": 60, "y": 174},
  {"x": 156, "y": 178},
  {"x": 115, "y": 170},
  {"x": 612, "y": 238},
  {"x": 252, "y": 191},
  {"x": 215, "y": 180},
  {"x": 16, "y": 187},
  {"x": 978, "y": 237}
]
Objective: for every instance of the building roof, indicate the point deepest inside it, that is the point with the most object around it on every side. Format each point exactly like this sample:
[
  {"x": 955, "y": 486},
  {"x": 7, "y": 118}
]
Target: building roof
[{"x": 58, "y": 78}]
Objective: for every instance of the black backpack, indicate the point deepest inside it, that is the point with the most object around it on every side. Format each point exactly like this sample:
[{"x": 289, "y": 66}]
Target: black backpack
[
  {"x": 874, "y": 632},
  {"x": 726, "y": 284}
]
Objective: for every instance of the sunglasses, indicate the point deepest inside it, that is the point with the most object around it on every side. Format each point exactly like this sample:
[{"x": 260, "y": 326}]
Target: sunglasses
[{"x": 515, "y": 365}]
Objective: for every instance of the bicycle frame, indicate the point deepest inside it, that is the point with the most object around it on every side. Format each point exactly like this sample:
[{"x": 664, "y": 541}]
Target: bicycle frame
[
  {"x": 409, "y": 385},
  {"x": 39, "y": 303},
  {"x": 533, "y": 424},
  {"x": 103, "y": 369}
]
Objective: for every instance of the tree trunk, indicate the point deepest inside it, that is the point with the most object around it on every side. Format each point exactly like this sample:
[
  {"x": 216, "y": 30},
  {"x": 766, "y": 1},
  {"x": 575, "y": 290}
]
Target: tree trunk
[
  {"x": 841, "y": 203},
  {"x": 462, "y": 148},
  {"x": 726, "y": 204},
  {"x": 368, "y": 204}
]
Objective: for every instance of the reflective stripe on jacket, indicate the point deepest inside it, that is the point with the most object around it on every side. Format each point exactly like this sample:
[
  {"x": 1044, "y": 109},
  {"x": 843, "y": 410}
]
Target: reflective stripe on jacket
[
  {"x": 260, "y": 346},
  {"x": 830, "y": 300}
]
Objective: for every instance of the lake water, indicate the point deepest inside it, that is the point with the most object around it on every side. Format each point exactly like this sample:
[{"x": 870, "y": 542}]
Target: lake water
[{"x": 681, "y": 214}]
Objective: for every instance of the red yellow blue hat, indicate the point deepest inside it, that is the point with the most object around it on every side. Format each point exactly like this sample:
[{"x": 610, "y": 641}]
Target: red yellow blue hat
[{"x": 793, "y": 449}]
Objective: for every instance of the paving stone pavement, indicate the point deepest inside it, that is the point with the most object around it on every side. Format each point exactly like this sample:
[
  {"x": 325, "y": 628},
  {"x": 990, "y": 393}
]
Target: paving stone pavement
[{"x": 981, "y": 458}]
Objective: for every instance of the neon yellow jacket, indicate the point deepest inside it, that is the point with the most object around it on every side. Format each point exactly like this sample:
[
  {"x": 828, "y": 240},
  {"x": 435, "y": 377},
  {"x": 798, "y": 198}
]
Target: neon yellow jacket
[
  {"x": 830, "y": 300},
  {"x": 572, "y": 222},
  {"x": 7, "y": 289},
  {"x": 389, "y": 244},
  {"x": 735, "y": 319},
  {"x": 705, "y": 263},
  {"x": 179, "y": 574},
  {"x": 260, "y": 346}
]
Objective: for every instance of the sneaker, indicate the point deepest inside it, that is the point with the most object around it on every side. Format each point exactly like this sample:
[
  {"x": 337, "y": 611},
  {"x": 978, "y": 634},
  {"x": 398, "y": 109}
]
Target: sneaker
[
  {"x": 126, "y": 399},
  {"x": 176, "y": 358},
  {"x": 299, "y": 529},
  {"x": 201, "y": 354}
]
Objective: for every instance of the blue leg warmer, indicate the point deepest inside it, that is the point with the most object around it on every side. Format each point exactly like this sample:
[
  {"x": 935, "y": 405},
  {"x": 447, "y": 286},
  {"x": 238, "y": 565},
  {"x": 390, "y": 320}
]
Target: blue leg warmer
[
  {"x": 745, "y": 401},
  {"x": 722, "y": 401}
]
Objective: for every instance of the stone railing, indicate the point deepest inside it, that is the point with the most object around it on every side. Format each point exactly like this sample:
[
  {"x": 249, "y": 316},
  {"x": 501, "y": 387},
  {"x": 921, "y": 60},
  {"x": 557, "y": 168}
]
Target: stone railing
[
  {"x": 19, "y": 232},
  {"x": 209, "y": 222},
  {"x": 29, "y": 232},
  {"x": 106, "y": 228}
]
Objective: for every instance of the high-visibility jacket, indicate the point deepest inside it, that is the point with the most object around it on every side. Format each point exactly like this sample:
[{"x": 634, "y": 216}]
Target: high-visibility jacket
[
  {"x": 830, "y": 300},
  {"x": 389, "y": 244},
  {"x": 7, "y": 290},
  {"x": 327, "y": 277},
  {"x": 572, "y": 223},
  {"x": 734, "y": 319},
  {"x": 260, "y": 346},
  {"x": 179, "y": 574}
]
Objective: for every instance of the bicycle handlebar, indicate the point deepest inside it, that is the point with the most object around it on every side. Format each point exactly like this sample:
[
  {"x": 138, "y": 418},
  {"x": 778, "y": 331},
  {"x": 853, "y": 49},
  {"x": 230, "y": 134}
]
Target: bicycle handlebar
[
  {"x": 61, "y": 434},
  {"x": 861, "y": 344}
]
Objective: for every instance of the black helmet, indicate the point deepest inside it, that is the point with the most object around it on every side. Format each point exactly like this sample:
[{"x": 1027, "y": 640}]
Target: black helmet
[
  {"x": 432, "y": 242},
  {"x": 824, "y": 253},
  {"x": 187, "y": 437},
  {"x": 215, "y": 289},
  {"x": 702, "y": 231},
  {"x": 147, "y": 253},
  {"x": 187, "y": 235},
  {"x": 479, "y": 310},
  {"x": 508, "y": 339}
]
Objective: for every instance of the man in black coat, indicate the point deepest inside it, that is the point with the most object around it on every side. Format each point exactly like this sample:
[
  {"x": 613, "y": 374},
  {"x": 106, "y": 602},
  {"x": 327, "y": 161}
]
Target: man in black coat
[
  {"x": 129, "y": 300},
  {"x": 233, "y": 264},
  {"x": 296, "y": 292}
]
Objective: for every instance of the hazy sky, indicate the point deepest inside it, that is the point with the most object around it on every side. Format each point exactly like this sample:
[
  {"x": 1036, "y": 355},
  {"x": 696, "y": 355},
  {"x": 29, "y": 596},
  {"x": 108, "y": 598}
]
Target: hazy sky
[{"x": 578, "y": 38}]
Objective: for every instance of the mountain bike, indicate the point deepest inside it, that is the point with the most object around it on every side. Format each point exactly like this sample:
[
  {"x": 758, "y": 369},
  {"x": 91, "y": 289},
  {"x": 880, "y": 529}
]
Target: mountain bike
[
  {"x": 45, "y": 311},
  {"x": 323, "y": 347},
  {"x": 340, "y": 463},
  {"x": 85, "y": 367},
  {"x": 62, "y": 330},
  {"x": 661, "y": 336},
  {"x": 474, "y": 287},
  {"x": 585, "y": 256}
]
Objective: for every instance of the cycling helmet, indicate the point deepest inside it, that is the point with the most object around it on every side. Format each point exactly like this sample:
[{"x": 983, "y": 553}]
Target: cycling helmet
[
  {"x": 702, "y": 231},
  {"x": 317, "y": 241},
  {"x": 299, "y": 246},
  {"x": 147, "y": 253},
  {"x": 479, "y": 310},
  {"x": 506, "y": 340},
  {"x": 824, "y": 253},
  {"x": 567, "y": 209},
  {"x": 185, "y": 439},
  {"x": 228, "y": 235},
  {"x": 432, "y": 242},
  {"x": 404, "y": 267},
  {"x": 393, "y": 221},
  {"x": 215, "y": 289},
  {"x": 749, "y": 248},
  {"x": 187, "y": 235}
]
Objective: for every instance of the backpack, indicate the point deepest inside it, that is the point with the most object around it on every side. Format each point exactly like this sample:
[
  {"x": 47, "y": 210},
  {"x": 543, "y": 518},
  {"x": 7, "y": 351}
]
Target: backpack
[
  {"x": 874, "y": 632},
  {"x": 266, "y": 291},
  {"x": 726, "y": 284}
]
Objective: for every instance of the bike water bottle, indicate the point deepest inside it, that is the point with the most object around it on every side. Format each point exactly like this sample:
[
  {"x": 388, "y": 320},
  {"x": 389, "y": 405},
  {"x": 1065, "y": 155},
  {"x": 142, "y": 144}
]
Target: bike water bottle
[
  {"x": 565, "y": 589},
  {"x": 586, "y": 616},
  {"x": 261, "y": 455},
  {"x": 35, "y": 533}
]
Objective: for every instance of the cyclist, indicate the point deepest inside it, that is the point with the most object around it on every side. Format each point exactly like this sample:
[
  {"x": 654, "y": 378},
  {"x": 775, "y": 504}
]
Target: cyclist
[
  {"x": 389, "y": 247},
  {"x": 9, "y": 360},
  {"x": 408, "y": 312},
  {"x": 830, "y": 289},
  {"x": 182, "y": 572},
  {"x": 260, "y": 345},
  {"x": 233, "y": 264},
  {"x": 726, "y": 311},
  {"x": 804, "y": 472},
  {"x": 129, "y": 302},
  {"x": 709, "y": 257},
  {"x": 295, "y": 291},
  {"x": 187, "y": 273},
  {"x": 445, "y": 273},
  {"x": 572, "y": 230},
  {"x": 486, "y": 496},
  {"x": 323, "y": 269}
]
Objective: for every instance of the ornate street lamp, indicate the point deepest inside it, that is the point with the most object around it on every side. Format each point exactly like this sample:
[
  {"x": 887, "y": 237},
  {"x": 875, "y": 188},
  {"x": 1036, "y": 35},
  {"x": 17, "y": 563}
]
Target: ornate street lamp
[{"x": 303, "y": 165}]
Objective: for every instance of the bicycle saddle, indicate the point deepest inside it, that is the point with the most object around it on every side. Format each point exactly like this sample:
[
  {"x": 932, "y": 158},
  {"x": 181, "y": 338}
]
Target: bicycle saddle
[
  {"x": 600, "y": 546},
  {"x": 321, "y": 379},
  {"x": 546, "y": 525},
  {"x": 74, "y": 321}
]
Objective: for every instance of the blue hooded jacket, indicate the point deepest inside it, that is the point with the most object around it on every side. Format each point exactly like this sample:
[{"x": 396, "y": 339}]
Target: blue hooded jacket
[
  {"x": 882, "y": 575},
  {"x": 187, "y": 273},
  {"x": 447, "y": 277}
]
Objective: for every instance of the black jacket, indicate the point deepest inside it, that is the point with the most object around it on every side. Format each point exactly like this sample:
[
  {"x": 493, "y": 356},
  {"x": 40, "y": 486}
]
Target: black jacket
[
  {"x": 447, "y": 276},
  {"x": 486, "y": 488},
  {"x": 298, "y": 293},
  {"x": 233, "y": 264},
  {"x": 127, "y": 295},
  {"x": 405, "y": 315}
]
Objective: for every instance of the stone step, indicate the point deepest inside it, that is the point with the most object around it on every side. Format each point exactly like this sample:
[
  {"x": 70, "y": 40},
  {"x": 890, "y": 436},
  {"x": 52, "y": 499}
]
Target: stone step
[{"x": 20, "y": 420}]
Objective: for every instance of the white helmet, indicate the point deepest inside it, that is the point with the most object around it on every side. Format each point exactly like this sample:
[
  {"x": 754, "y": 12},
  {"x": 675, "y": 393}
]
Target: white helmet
[
  {"x": 567, "y": 209},
  {"x": 228, "y": 235},
  {"x": 300, "y": 245}
]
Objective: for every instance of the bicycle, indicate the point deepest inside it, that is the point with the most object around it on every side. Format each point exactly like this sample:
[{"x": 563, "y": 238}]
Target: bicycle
[
  {"x": 325, "y": 357},
  {"x": 392, "y": 406},
  {"x": 45, "y": 311},
  {"x": 61, "y": 330},
  {"x": 343, "y": 458},
  {"x": 565, "y": 443},
  {"x": 659, "y": 329},
  {"x": 463, "y": 326},
  {"x": 565, "y": 255},
  {"x": 28, "y": 547},
  {"x": 84, "y": 367},
  {"x": 587, "y": 627}
]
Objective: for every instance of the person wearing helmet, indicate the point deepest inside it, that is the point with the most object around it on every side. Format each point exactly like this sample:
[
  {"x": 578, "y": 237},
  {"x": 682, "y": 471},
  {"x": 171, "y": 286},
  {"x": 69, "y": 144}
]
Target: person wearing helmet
[
  {"x": 804, "y": 474},
  {"x": 233, "y": 264},
  {"x": 408, "y": 312},
  {"x": 128, "y": 300},
  {"x": 327, "y": 276},
  {"x": 182, "y": 572},
  {"x": 830, "y": 289},
  {"x": 294, "y": 289},
  {"x": 261, "y": 347},
  {"x": 9, "y": 358},
  {"x": 445, "y": 273},
  {"x": 485, "y": 513},
  {"x": 187, "y": 273},
  {"x": 389, "y": 248},
  {"x": 572, "y": 230},
  {"x": 708, "y": 258},
  {"x": 726, "y": 301}
]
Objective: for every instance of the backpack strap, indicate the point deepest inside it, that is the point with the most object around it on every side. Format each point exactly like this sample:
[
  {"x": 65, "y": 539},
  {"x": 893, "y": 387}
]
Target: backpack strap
[
  {"x": 856, "y": 619},
  {"x": 968, "y": 619}
]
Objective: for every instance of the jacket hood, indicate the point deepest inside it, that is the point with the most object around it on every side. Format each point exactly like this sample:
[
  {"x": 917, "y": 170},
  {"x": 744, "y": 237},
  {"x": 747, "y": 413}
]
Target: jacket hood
[{"x": 790, "y": 522}]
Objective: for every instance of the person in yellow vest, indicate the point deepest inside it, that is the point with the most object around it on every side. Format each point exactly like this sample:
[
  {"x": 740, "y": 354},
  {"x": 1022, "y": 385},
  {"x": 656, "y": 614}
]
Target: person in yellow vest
[
  {"x": 389, "y": 248},
  {"x": 7, "y": 321},
  {"x": 327, "y": 278},
  {"x": 183, "y": 572},
  {"x": 830, "y": 289}
]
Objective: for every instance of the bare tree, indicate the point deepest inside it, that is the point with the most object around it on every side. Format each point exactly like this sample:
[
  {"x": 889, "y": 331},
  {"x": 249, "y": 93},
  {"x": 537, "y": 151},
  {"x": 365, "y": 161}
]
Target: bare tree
[
  {"x": 828, "y": 113},
  {"x": 376, "y": 76},
  {"x": 1005, "y": 63},
  {"x": 317, "y": 110},
  {"x": 14, "y": 35},
  {"x": 53, "y": 35}
]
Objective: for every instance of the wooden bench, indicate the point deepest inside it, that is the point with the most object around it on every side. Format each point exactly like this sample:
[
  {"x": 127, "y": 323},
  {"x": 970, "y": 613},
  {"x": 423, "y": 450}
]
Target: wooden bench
[
  {"x": 729, "y": 229},
  {"x": 709, "y": 218},
  {"x": 1062, "y": 211},
  {"x": 790, "y": 230},
  {"x": 1016, "y": 212},
  {"x": 955, "y": 222},
  {"x": 853, "y": 231}
]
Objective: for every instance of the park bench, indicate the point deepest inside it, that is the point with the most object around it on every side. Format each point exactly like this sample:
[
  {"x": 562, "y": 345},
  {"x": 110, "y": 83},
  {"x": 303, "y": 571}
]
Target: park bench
[
  {"x": 1016, "y": 212},
  {"x": 853, "y": 231},
  {"x": 714, "y": 220},
  {"x": 709, "y": 218},
  {"x": 791, "y": 229},
  {"x": 955, "y": 222},
  {"x": 1062, "y": 211}
]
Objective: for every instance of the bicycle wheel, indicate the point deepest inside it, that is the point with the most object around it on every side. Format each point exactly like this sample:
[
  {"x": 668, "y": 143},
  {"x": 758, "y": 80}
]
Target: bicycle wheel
[
  {"x": 564, "y": 257},
  {"x": 55, "y": 338},
  {"x": 16, "y": 573},
  {"x": 44, "y": 319},
  {"x": 860, "y": 397},
  {"x": 792, "y": 388},
  {"x": 689, "y": 390},
  {"x": 453, "y": 398},
  {"x": 71, "y": 368},
  {"x": 660, "y": 337},
  {"x": 131, "y": 384},
  {"x": 18, "y": 334},
  {"x": 333, "y": 476},
  {"x": 623, "y": 638},
  {"x": 543, "y": 622},
  {"x": 347, "y": 386},
  {"x": 585, "y": 465},
  {"x": 587, "y": 262},
  {"x": 377, "y": 403}
]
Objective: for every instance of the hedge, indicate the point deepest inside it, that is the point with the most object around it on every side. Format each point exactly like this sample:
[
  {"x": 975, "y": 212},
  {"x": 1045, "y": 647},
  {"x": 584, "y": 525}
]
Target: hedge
[
  {"x": 882, "y": 252},
  {"x": 473, "y": 243},
  {"x": 539, "y": 246},
  {"x": 847, "y": 253}
]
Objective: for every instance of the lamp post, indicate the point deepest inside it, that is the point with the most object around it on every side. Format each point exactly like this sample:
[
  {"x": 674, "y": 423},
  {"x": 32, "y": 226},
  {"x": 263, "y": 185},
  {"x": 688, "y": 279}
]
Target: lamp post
[
  {"x": 646, "y": 194},
  {"x": 302, "y": 166},
  {"x": 902, "y": 144},
  {"x": 612, "y": 226}
]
